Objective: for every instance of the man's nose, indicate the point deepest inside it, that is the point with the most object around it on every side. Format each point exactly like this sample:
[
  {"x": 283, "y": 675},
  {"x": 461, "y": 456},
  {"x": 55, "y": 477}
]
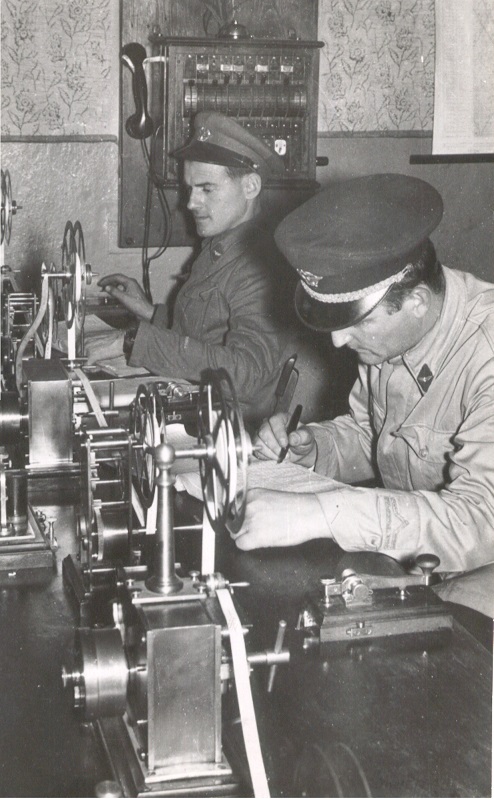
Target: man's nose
[
  {"x": 341, "y": 337},
  {"x": 193, "y": 201}
]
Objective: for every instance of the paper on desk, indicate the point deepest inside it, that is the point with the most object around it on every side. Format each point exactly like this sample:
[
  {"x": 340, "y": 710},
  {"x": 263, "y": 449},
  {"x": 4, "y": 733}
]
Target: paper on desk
[
  {"x": 177, "y": 436},
  {"x": 272, "y": 476},
  {"x": 289, "y": 477},
  {"x": 94, "y": 326}
]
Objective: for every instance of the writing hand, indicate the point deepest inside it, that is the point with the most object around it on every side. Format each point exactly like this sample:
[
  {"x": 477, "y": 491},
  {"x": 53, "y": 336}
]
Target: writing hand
[
  {"x": 272, "y": 437},
  {"x": 129, "y": 293}
]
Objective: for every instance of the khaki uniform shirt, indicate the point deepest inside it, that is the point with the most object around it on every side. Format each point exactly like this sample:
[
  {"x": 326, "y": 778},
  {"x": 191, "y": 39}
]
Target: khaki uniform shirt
[
  {"x": 422, "y": 424},
  {"x": 224, "y": 316}
]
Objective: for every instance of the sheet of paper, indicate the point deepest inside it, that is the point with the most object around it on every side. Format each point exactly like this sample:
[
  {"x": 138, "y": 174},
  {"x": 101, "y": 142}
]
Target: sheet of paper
[
  {"x": 289, "y": 477},
  {"x": 177, "y": 436},
  {"x": 118, "y": 367},
  {"x": 272, "y": 476},
  {"x": 464, "y": 77}
]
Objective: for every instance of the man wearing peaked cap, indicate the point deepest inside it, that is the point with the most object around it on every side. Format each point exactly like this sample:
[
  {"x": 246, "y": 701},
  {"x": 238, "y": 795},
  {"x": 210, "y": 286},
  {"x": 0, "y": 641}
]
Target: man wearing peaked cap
[
  {"x": 218, "y": 139},
  {"x": 350, "y": 244},
  {"x": 225, "y": 313},
  {"x": 421, "y": 419}
]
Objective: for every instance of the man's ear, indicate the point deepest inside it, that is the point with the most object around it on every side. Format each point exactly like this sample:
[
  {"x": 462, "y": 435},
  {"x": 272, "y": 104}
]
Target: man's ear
[
  {"x": 419, "y": 300},
  {"x": 252, "y": 185}
]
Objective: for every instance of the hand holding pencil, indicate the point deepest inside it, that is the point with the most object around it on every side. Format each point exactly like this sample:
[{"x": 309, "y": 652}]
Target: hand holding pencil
[{"x": 279, "y": 438}]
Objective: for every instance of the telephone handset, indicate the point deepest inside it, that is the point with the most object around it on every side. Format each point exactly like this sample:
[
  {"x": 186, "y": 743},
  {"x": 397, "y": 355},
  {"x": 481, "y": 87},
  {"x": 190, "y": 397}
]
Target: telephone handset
[{"x": 139, "y": 125}]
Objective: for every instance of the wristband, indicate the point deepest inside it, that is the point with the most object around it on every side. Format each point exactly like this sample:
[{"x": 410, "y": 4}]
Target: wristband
[{"x": 128, "y": 342}]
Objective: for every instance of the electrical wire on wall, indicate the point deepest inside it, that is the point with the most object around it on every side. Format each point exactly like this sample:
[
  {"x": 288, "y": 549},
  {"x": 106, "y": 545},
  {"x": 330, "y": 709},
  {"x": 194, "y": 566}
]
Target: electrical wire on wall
[
  {"x": 154, "y": 181},
  {"x": 141, "y": 126}
]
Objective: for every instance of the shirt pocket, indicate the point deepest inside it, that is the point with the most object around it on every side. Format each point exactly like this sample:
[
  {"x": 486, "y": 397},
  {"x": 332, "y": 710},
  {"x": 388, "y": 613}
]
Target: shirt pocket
[
  {"x": 203, "y": 314},
  {"x": 429, "y": 453}
]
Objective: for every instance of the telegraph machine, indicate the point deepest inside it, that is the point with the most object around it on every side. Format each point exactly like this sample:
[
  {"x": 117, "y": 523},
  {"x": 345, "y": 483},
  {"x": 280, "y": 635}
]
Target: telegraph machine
[{"x": 161, "y": 659}]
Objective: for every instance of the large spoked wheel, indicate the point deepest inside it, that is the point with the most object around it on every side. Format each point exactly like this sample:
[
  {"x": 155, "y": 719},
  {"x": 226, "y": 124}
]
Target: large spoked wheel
[
  {"x": 49, "y": 324},
  {"x": 78, "y": 275},
  {"x": 148, "y": 430},
  {"x": 83, "y": 276},
  {"x": 69, "y": 253},
  {"x": 332, "y": 770},
  {"x": 224, "y": 468},
  {"x": 7, "y": 207}
]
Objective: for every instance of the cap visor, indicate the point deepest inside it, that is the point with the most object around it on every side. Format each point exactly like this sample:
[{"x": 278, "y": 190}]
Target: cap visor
[
  {"x": 330, "y": 316},
  {"x": 212, "y": 154}
]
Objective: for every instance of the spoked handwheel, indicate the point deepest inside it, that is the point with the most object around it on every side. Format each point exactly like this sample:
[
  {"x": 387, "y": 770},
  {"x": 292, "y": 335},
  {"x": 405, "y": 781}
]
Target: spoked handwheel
[
  {"x": 83, "y": 276},
  {"x": 224, "y": 468},
  {"x": 329, "y": 770},
  {"x": 148, "y": 430},
  {"x": 69, "y": 253},
  {"x": 78, "y": 277},
  {"x": 7, "y": 207},
  {"x": 48, "y": 328}
]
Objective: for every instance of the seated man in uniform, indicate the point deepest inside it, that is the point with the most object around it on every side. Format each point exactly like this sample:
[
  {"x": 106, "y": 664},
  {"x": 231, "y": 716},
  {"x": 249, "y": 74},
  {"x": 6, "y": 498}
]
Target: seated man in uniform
[
  {"x": 225, "y": 315},
  {"x": 421, "y": 421}
]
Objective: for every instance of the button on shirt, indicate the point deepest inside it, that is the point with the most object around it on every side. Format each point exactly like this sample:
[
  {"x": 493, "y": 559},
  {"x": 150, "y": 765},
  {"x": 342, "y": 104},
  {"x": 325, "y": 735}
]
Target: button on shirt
[
  {"x": 431, "y": 446},
  {"x": 224, "y": 317}
]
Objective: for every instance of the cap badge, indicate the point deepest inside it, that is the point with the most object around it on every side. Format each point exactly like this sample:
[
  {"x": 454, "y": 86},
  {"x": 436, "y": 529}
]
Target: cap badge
[
  {"x": 309, "y": 278},
  {"x": 203, "y": 134}
]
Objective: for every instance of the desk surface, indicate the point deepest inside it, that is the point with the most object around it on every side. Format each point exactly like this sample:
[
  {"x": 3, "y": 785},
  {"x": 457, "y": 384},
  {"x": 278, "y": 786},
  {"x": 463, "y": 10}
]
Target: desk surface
[{"x": 419, "y": 724}]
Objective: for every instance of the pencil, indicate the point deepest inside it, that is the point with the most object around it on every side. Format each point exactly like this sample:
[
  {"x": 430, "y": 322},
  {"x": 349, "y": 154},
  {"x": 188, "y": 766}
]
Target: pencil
[{"x": 291, "y": 427}]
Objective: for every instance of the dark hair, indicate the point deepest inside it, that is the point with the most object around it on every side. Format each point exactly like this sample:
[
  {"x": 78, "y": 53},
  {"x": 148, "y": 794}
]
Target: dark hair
[
  {"x": 238, "y": 172},
  {"x": 425, "y": 268}
]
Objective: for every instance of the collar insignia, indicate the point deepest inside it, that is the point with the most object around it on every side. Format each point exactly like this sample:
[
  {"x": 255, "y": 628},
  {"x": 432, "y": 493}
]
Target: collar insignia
[
  {"x": 425, "y": 378},
  {"x": 309, "y": 278},
  {"x": 203, "y": 134}
]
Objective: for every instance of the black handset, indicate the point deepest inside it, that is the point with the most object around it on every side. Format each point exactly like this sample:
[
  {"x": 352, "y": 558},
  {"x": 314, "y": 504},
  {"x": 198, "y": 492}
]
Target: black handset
[{"x": 139, "y": 125}]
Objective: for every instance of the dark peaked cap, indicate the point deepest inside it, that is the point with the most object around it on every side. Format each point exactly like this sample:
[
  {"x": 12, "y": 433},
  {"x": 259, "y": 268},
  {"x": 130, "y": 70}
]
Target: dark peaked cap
[
  {"x": 218, "y": 139},
  {"x": 350, "y": 243}
]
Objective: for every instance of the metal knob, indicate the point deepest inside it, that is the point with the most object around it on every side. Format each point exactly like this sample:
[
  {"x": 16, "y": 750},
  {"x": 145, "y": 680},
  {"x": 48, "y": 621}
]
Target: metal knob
[
  {"x": 427, "y": 564},
  {"x": 330, "y": 588}
]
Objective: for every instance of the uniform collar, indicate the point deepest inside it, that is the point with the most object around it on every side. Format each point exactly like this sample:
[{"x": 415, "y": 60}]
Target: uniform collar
[
  {"x": 425, "y": 360},
  {"x": 218, "y": 245}
]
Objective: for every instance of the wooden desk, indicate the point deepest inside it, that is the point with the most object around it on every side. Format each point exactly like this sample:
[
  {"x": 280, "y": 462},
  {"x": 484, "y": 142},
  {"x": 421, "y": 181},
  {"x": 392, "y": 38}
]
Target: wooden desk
[{"x": 419, "y": 724}]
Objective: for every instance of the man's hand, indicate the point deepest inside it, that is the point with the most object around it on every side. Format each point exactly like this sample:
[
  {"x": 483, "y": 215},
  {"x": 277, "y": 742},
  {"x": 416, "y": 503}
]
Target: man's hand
[
  {"x": 272, "y": 437},
  {"x": 104, "y": 346},
  {"x": 128, "y": 291},
  {"x": 281, "y": 519}
]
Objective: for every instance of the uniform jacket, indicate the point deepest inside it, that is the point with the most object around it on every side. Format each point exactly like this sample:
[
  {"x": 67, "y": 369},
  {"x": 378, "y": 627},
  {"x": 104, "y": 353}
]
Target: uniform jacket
[
  {"x": 429, "y": 441},
  {"x": 224, "y": 316}
]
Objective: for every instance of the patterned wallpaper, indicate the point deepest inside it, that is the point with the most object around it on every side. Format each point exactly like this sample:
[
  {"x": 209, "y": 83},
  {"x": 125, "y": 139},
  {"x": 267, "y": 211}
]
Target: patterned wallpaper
[
  {"x": 59, "y": 67},
  {"x": 377, "y": 65}
]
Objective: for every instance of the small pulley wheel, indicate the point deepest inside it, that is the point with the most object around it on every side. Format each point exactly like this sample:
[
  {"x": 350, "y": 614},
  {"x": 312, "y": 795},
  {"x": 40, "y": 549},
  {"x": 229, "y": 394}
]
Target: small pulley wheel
[
  {"x": 224, "y": 468},
  {"x": 99, "y": 679}
]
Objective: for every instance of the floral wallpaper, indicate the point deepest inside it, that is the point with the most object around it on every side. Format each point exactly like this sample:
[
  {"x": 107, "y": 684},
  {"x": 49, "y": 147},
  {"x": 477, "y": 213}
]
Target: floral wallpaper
[
  {"x": 59, "y": 67},
  {"x": 377, "y": 65}
]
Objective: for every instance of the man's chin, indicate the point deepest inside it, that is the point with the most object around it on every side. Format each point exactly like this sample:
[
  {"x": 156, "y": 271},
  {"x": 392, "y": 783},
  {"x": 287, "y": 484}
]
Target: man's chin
[
  {"x": 368, "y": 358},
  {"x": 202, "y": 227}
]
